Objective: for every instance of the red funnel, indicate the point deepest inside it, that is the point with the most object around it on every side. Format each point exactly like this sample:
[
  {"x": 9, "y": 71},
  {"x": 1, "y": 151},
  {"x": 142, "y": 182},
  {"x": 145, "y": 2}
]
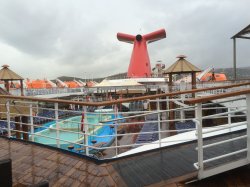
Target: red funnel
[{"x": 139, "y": 63}]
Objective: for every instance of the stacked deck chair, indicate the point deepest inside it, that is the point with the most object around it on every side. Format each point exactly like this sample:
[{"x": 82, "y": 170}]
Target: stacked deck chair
[{"x": 148, "y": 127}]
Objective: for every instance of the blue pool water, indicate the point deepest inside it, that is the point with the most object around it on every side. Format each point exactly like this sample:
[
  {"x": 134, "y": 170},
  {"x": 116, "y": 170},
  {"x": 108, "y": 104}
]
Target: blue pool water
[{"x": 73, "y": 124}]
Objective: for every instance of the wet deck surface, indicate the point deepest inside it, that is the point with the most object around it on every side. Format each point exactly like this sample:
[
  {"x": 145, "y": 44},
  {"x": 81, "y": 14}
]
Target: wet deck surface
[
  {"x": 177, "y": 161},
  {"x": 239, "y": 177},
  {"x": 32, "y": 164}
]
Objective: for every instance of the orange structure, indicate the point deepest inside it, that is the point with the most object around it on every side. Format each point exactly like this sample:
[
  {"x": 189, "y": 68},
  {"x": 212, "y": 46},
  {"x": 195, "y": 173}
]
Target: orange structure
[
  {"x": 38, "y": 84},
  {"x": 71, "y": 84},
  {"x": 139, "y": 63},
  {"x": 91, "y": 83},
  {"x": 214, "y": 77}
]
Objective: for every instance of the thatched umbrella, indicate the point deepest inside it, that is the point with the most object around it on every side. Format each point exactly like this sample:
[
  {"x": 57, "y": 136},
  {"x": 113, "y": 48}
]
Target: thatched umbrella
[
  {"x": 7, "y": 75},
  {"x": 17, "y": 110},
  {"x": 181, "y": 66}
]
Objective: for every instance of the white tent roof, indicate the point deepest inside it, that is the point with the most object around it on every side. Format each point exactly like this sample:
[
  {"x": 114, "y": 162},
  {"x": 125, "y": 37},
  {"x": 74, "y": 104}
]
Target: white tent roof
[{"x": 118, "y": 82}]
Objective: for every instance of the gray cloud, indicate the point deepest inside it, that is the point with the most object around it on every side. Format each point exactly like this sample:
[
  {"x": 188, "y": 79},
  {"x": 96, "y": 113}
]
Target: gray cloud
[{"x": 53, "y": 38}]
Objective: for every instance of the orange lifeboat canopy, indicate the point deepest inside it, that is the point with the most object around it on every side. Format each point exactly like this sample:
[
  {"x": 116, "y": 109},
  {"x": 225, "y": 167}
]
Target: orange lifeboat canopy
[
  {"x": 38, "y": 84},
  {"x": 71, "y": 84},
  {"x": 217, "y": 77}
]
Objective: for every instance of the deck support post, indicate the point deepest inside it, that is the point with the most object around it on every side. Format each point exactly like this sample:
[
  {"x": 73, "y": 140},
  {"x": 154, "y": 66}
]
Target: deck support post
[
  {"x": 229, "y": 118},
  {"x": 234, "y": 59},
  {"x": 248, "y": 126},
  {"x": 86, "y": 131},
  {"x": 159, "y": 121},
  {"x": 193, "y": 75},
  {"x": 116, "y": 141},
  {"x": 21, "y": 85},
  {"x": 8, "y": 117},
  {"x": 198, "y": 114},
  {"x": 25, "y": 127},
  {"x": 31, "y": 123},
  {"x": 182, "y": 113},
  {"x": 57, "y": 126},
  {"x": 171, "y": 107},
  {"x": 167, "y": 113},
  {"x": 164, "y": 117},
  {"x": 18, "y": 127}
]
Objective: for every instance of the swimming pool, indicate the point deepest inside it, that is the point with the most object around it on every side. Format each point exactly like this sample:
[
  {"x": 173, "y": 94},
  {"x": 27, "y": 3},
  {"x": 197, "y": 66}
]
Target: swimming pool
[
  {"x": 52, "y": 132},
  {"x": 47, "y": 134}
]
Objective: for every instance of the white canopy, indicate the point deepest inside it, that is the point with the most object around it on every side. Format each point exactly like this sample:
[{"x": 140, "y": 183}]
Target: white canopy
[{"x": 118, "y": 82}]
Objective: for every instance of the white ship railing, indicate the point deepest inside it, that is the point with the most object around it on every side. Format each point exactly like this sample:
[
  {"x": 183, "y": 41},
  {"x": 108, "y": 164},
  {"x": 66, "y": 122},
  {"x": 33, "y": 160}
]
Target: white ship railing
[
  {"x": 201, "y": 133},
  {"x": 153, "y": 87},
  {"x": 48, "y": 91},
  {"x": 132, "y": 121}
]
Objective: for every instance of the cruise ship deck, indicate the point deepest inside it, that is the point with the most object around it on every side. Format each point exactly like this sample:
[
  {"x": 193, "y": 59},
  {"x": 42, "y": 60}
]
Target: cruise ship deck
[
  {"x": 33, "y": 164},
  {"x": 190, "y": 161}
]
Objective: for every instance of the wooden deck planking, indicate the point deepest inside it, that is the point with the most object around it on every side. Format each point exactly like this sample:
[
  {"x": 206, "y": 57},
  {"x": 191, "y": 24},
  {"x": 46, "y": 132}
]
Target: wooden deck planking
[
  {"x": 114, "y": 176},
  {"x": 176, "y": 161},
  {"x": 32, "y": 164},
  {"x": 237, "y": 177}
]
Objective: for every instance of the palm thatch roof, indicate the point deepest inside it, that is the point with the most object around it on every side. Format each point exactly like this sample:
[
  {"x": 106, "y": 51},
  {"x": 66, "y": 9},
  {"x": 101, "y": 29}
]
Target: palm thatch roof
[
  {"x": 7, "y": 74},
  {"x": 182, "y": 66}
]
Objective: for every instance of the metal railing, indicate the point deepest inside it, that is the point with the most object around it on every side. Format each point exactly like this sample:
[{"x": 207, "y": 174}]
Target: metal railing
[
  {"x": 162, "y": 86},
  {"x": 112, "y": 132},
  {"x": 201, "y": 133},
  {"x": 48, "y": 91},
  {"x": 87, "y": 134}
]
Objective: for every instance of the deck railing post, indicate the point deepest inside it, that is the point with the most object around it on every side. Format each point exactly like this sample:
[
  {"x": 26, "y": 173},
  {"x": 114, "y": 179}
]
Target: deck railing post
[
  {"x": 8, "y": 117},
  {"x": 229, "y": 117},
  {"x": 182, "y": 88},
  {"x": 31, "y": 123},
  {"x": 57, "y": 126},
  {"x": 86, "y": 131},
  {"x": 248, "y": 126},
  {"x": 37, "y": 107},
  {"x": 168, "y": 115},
  {"x": 116, "y": 140},
  {"x": 159, "y": 121},
  {"x": 198, "y": 114}
]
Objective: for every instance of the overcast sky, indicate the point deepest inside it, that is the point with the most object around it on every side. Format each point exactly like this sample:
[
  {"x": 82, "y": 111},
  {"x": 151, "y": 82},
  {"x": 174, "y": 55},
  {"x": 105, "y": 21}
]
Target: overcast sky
[{"x": 51, "y": 38}]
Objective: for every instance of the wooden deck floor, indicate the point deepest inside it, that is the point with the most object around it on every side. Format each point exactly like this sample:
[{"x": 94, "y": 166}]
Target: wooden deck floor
[
  {"x": 174, "y": 162},
  {"x": 32, "y": 164},
  {"x": 172, "y": 166},
  {"x": 239, "y": 177}
]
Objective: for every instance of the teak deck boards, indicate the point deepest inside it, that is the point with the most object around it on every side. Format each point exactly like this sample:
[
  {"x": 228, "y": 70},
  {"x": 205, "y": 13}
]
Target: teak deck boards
[
  {"x": 32, "y": 164},
  {"x": 176, "y": 161}
]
